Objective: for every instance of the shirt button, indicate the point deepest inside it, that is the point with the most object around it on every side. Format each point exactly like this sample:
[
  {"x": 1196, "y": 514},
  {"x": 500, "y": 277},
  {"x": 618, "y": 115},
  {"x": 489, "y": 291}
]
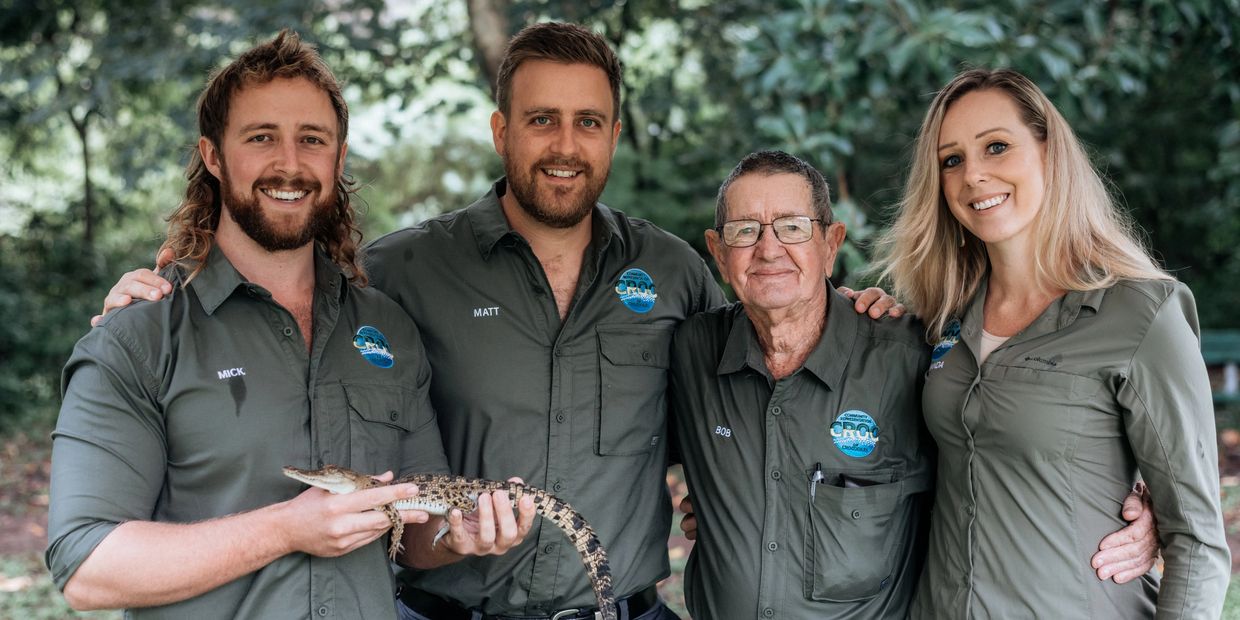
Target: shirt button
[
  {"x": 776, "y": 410},
  {"x": 856, "y": 514},
  {"x": 969, "y": 510},
  {"x": 392, "y": 415},
  {"x": 772, "y": 546},
  {"x": 559, "y": 417},
  {"x": 558, "y": 352},
  {"x": 320, "y": 464},
  {"x": 548, "y": 549},
  {"x": 646, "y": 355},
  {"x": 768, "y": 612},
  {"x": 288, "y": 332},
  {"x": 775, "y": 475},
  {"x": 558, "y": 486},
  {"x": 322, "y": 610}
]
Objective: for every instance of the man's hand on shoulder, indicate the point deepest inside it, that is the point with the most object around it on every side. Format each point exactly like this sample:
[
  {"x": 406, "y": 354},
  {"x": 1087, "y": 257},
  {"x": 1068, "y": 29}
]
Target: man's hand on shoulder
[
  {"x": 137, "y": 284},
  {"x": 874, "y": 302}
]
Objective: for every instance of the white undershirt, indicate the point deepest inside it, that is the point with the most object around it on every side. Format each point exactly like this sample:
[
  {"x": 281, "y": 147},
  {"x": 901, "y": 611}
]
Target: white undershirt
[{"x": 990, "y": 342}]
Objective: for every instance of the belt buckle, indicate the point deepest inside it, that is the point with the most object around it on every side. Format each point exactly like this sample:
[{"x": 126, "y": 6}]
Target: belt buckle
[{"x": 570, "y": 613}]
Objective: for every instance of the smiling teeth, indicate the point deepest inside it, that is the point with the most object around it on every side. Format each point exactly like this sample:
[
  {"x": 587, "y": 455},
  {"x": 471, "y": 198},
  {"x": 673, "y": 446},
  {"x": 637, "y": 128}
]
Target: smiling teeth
[
  {"x": 283, "y": 195},
  {"x": 988, "y": 203},
  {"x": 563, "y": 174}
]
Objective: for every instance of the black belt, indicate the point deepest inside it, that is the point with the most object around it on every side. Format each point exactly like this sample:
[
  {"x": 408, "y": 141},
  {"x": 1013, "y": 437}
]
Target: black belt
[{"x": 437, "y": 608}]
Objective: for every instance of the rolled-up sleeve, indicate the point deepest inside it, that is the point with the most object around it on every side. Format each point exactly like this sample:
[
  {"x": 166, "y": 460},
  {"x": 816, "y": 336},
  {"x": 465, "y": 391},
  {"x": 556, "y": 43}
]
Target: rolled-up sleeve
[
  {"x": 1170, "y": 424},
  {"x": 108, "y": 449}
]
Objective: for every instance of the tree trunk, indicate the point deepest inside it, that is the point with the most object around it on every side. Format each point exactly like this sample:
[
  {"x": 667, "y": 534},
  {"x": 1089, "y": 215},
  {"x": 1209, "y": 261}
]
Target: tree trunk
[
  {"x": 488, "y": 22},
  {"x": 88, "y": 190}
]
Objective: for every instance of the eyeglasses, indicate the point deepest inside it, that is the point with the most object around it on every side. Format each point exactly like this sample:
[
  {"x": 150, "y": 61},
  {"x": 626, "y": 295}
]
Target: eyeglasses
[{"x": 791, "y": 229}]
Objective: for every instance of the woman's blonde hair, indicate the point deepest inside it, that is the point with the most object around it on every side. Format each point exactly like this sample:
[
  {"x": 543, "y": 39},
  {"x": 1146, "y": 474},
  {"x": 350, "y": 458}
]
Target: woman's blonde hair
[{"x": 1084, "y": 242}]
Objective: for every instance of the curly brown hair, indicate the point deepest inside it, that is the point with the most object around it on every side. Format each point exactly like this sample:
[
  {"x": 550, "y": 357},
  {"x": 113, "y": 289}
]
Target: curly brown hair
[{"x": 191, "y": 228}]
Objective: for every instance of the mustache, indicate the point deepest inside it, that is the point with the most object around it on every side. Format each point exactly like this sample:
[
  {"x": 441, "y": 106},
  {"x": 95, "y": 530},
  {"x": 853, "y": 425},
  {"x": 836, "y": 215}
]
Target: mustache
[{"x": 295, "y": 184}]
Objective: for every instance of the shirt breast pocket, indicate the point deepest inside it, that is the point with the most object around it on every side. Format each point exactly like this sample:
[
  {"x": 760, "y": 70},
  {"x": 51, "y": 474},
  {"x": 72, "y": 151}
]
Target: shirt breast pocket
[
  {"x": 857, "y": 536},
  {"x": 632, "y": 411},
  {"x": 379, "y": 418}
]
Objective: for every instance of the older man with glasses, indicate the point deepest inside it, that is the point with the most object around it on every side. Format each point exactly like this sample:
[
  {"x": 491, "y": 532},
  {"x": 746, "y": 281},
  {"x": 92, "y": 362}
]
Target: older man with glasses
[{"x": 798, "y": 420}]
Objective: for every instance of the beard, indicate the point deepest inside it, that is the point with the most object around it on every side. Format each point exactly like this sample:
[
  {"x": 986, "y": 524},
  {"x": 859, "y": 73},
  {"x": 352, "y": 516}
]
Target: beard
[
  {"x": 552, "y": 206},
  {"x": 287, "y": 231}
]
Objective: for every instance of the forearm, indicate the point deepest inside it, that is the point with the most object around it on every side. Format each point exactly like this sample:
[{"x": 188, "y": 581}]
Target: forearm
[{"x": 144, "y": 563}]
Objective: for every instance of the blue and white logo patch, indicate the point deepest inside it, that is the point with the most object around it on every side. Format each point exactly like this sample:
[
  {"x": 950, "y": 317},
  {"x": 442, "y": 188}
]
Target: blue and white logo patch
[
  {"x": 373, "y": 346},
  {"x": 855, "y": 433},
  {"x": 951, "y": 336},
  {"x": 636, "y": 290}
]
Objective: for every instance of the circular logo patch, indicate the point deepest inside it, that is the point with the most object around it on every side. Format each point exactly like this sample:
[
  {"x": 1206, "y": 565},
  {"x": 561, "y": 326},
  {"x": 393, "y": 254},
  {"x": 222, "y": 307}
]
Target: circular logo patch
[
  {"x": 951, "y": 335},
  {"x": 855, "y": 433},
  {"x": 373, "y": 346},
  {"x": 636, "y": 290}
]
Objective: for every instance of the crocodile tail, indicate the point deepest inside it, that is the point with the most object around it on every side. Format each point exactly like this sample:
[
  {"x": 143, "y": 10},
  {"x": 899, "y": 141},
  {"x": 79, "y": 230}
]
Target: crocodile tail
[{"x": 587, "y": 544}]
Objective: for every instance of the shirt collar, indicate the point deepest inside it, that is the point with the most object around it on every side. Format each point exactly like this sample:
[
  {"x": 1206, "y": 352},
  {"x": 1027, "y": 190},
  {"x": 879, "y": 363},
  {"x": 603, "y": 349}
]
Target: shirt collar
[
  {"x": 1060, "y": 314},
  {"x": 827, "y": 361},
  {"x": 491, "y": 226},
  {"x": 219, "y": 279}
]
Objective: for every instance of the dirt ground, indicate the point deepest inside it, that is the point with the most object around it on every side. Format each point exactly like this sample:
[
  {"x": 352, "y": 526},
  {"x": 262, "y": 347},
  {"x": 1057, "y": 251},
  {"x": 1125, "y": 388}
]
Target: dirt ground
[{"x": 25, "y": 466}]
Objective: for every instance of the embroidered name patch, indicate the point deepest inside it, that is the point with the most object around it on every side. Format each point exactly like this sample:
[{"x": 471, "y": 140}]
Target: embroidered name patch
[
  {"x": 373, "y": 346},
  {"x": 855, "y": 433},
  {"x": 636, "y": 290}
]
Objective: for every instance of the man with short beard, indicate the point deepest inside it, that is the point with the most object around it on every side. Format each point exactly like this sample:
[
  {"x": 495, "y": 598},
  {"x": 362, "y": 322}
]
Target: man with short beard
[
  {"x": 547, "y": 318},
  {"x": 167, "y": 495}
]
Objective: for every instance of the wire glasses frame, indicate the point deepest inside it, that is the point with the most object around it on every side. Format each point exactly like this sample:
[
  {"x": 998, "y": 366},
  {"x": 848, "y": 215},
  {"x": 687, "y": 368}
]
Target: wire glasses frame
[{"x": 790, "y": 230}]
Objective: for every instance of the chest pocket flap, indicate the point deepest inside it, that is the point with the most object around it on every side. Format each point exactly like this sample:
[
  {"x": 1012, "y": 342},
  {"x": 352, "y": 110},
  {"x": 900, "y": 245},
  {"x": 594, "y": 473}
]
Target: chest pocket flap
[
  {"x": 633, "y": 362},
  {"x": 380, "y": 404},
  {"x": 636, "y": 345}
]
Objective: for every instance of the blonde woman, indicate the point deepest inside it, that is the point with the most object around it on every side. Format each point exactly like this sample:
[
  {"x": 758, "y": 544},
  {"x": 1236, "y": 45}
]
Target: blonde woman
[{"x": 1066, "y": 365}]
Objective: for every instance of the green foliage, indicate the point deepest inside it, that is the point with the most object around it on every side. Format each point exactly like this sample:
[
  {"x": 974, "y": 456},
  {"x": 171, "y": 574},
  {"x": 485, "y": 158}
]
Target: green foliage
[
  {"x": 96, "y": 106},
  {"x": 50, "y": 284}
]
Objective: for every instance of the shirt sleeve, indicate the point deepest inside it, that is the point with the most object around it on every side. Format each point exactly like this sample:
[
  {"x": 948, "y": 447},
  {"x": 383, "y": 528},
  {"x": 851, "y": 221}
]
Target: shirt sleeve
[
  {"x": 1170, "y": 426},
  {"x": 108, "y": 449}
]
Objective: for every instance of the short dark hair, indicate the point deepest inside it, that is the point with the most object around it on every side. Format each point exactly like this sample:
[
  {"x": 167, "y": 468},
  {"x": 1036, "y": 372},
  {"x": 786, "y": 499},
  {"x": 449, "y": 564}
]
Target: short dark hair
[
  {"x": 768, "y": 163},
  {"x": 558, "y": 42}
]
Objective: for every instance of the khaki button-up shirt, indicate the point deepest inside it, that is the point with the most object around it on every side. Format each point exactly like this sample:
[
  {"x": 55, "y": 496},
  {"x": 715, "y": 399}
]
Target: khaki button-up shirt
[
  {"x": 810, "y": 491},
  {"x": 187, "y": 409},
  {"x": 1039, "y": 445},
  {"x": 578, "y": 407}
]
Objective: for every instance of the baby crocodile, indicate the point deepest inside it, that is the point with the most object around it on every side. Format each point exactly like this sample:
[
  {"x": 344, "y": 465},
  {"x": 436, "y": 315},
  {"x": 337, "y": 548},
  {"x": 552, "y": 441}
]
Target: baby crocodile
[{"x": 438, "y": 494}]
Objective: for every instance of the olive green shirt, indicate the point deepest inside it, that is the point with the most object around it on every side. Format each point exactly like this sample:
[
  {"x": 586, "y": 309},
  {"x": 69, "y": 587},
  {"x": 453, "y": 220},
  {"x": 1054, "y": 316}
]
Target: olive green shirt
[
  {"x": 766, "y": 546},
  {"x": 1040, "y": 444},
  {"x": 186, "y": 409},
  {"x": 578, "y": 408}
]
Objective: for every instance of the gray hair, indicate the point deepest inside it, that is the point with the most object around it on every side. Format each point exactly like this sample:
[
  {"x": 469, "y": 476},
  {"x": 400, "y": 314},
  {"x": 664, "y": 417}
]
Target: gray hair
[{"x": 769, "y": 163}]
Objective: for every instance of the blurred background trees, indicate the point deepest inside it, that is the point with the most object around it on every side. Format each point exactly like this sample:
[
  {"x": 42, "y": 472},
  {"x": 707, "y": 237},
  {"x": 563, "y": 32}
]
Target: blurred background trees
[{"x": 96, "y": 119}]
